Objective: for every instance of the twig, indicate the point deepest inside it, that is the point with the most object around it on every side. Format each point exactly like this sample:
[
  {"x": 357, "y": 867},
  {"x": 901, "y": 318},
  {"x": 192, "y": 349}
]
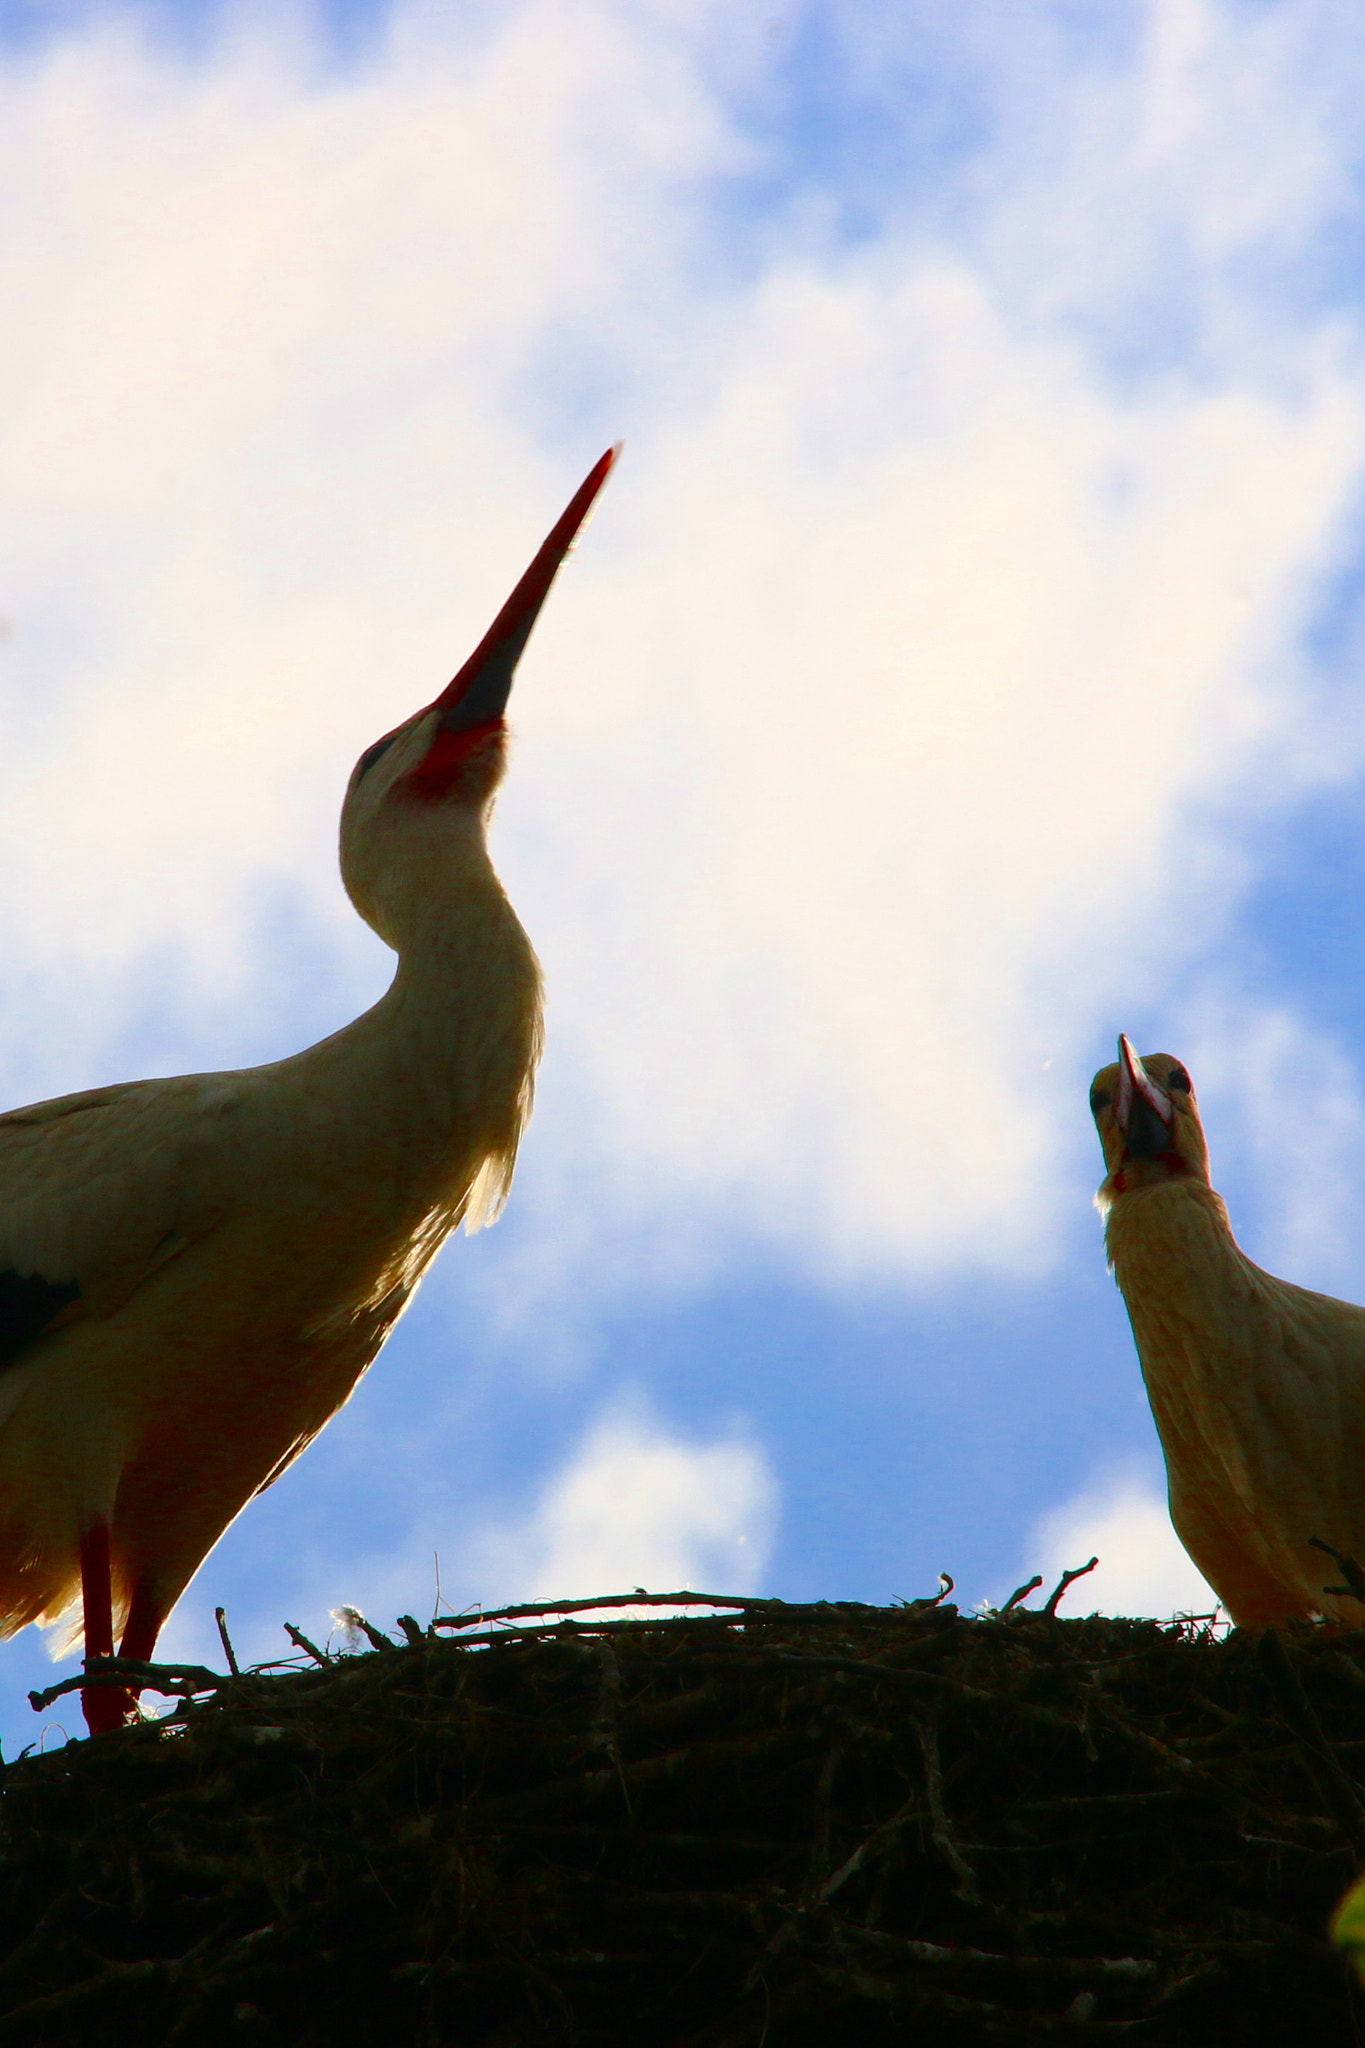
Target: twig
[
  {"x": 824, "y": 1812},
  {"x": 220, "y": 1616},
  {"x": 927, "y": 1600},
  {"x": 1079, "y": 1969},
  {"x": 967, "y": 1888},
  {"x": 1352, "y": 1572},
  {"x": 1022, "y": 1593},
  {"x": 174, "y": 1680},
  {"x": 782, "y": 1610},
  {"x": 1323, "y": 1763},
  {"x": 301, "y": 1642},
  {"x": 606, "y": 1716},
  {"x": 880, "y": 1837},
  {"x": 914, "y": 1674},
  {"x": 551, "y": 1631},
  {"x": 1068, "y": 1579}
]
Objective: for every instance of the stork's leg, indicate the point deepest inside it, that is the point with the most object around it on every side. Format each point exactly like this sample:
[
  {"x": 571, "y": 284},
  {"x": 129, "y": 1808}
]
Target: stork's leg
[
  {"x": 143, "y": 1626},
  {"x": 104, "y": 1706}
]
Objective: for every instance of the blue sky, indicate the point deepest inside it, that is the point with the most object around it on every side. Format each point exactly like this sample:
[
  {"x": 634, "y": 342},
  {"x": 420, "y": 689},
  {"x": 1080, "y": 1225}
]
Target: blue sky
[{"x": 963, "y": 666}]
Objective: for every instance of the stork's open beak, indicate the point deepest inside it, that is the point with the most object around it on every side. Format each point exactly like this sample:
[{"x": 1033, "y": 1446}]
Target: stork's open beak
[
  {"x": 481, "y": 689},
  {"x": 1143, "y": 1110}
]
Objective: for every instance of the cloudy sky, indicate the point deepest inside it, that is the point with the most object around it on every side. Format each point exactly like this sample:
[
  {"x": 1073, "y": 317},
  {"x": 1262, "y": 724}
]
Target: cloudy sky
[{"x": 963, "y": 665}]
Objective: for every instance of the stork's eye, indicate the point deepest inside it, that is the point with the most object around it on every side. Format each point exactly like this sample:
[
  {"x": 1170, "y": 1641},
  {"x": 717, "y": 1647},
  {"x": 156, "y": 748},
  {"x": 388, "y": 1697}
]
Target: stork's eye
[
  {"x": 1099, "y": 1099},
  {"x": 1178, "y": 1078},
  {"x": 371, "y": 755}
]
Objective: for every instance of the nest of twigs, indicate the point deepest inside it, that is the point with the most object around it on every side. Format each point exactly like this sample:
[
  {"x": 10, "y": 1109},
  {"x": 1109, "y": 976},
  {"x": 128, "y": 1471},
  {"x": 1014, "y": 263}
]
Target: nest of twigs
[{"x": 779, "y": 1825}]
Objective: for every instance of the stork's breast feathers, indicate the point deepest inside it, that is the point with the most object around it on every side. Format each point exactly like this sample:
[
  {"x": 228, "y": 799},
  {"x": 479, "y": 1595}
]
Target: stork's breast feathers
[{"x": 96, "y": 1192}]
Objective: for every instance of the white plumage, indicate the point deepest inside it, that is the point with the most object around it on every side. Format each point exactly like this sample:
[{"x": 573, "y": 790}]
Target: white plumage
[
  {"x": 1257, "y": 1386},
  {"x": 195, "y": 1272}
]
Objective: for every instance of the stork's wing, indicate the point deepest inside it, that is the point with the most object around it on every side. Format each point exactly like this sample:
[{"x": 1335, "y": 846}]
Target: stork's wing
[{"x": 96, "y": 1192}]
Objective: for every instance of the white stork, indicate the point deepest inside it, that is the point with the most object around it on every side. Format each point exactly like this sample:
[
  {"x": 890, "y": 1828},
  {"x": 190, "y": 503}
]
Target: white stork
[
  {"x": 1257, "y": 1386},
  {"x": 194, "y": 1273}
]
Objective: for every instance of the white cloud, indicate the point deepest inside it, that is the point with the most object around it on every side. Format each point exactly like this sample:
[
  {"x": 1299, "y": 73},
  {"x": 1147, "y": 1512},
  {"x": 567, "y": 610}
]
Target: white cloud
[
  {"x": 636, "y": 1505},
  {"x": 1143, "y": 1570},
  {"x": 1281, "y": 1105},
  {"x": 902, "y": 645}
]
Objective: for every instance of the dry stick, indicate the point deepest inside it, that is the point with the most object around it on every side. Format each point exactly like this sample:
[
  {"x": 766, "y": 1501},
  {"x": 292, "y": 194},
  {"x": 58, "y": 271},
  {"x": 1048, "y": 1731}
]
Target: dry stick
[
  {"x": 945, "y": 1587},
  {"x": 1022, "y": 1593},
  {"x": 1353, "y": 1574},
  {"x": 885, "y": 1832},
  {"x": 967, "y": 1888},
  {"x": 588, "y": 1631},
  {"x": 1323, "y": 1763},
  {"x": 779, "y": 1609},
  {"x": 639, "y": 1598},
  {"x": 220, "y": 1616},
  {"x": 550, "y": 1630},
  {"x": 1068, "y": 1578},
  {"x": 175, "y": 1680},
  {"x": 793, "y": 1925},
  {"x": 169, "y": 1969},
  {"x": 957, "y": 1688},
  {"x": 1130, "y": 1969},
  {"x": 606, "y": 1718},
  {"x": 301, "y": 1642},
  {"x": 824, "y": 1811}
]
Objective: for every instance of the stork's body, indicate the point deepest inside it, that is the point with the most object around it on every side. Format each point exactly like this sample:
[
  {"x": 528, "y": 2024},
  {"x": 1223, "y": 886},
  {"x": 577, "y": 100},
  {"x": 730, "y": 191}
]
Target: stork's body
[
  {"x": 194, "y": 1273},
  {"x": 1257, "y": 1386}
]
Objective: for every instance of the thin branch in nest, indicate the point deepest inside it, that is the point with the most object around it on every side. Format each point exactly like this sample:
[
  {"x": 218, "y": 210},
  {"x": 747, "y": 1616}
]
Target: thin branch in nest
[
  {"x": 967, "y": 1888},
  {"x": 301, "y": 1642},
  {"x": 1022, "y": 1592},
  {"x": 744, "y": 1604},
  {"x": 928, "y": 1600},
  {"x": 1353, "y": 1573},
  {"x": 1324, "y": 1765},
  {"x": 824, "y": 1812},
  {"x": 220, "y": 1616},
  {"x": 639, "y": 1598},
  {"x": 606, "y": 1717},
  {"x": 1068, "y": 1579},
  {"x": 175, "y": 1681},
  {"x": 880, "y": 1839},
  {"x": 569, "y": 1631}
]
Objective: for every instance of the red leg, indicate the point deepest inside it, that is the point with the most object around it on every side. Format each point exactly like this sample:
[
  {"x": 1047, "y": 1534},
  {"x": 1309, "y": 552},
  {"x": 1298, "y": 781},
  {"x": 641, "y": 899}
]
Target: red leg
[
  {"x": 105, "y": 1706},
  {"x": 143, "y": 1625}
]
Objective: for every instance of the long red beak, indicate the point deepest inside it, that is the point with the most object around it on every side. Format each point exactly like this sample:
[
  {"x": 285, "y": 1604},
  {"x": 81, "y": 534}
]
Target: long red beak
[
  {"x": 1137, "y": 1086},
  {"x": 481, "y": 689}
]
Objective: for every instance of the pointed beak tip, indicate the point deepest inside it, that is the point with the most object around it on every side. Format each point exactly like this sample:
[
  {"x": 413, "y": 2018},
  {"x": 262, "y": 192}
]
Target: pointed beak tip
[
  {"x": 481, "y": 688},
  {"x": 1137, "y": 1085}
]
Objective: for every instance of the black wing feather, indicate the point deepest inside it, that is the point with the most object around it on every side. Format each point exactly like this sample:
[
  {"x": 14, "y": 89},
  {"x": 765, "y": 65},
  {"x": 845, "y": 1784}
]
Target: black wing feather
[{"x": 28, "y": 1303}]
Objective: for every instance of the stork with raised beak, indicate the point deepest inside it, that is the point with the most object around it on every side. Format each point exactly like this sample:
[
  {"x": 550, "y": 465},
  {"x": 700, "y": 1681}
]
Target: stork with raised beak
[
  {"x": 194, "y": 1273},
  {"x": 1257, "y": 1386}
]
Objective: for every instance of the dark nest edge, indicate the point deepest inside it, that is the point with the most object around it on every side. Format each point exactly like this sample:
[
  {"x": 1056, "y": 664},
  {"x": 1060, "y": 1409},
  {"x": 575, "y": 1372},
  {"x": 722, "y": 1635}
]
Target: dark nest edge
[{"x": 781, "y": 1825}]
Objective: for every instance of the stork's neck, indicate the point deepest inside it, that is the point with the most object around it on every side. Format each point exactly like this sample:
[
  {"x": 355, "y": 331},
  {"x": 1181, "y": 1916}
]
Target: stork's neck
[
  {"x": 1176, "y": 1260},
  {"x": 462, "y": 1014},
  {"x": 446, "y": 1056}
]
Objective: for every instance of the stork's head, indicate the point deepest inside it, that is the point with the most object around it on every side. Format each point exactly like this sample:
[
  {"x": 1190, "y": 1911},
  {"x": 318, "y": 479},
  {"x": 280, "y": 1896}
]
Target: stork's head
[
  {"x": 1148, "y": 1121},
  {"x": 420, "y": 797}
]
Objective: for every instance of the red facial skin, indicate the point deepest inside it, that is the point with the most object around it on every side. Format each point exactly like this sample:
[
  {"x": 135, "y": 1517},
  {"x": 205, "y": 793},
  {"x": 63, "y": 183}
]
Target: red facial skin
[{"x": 457, "y": 762}]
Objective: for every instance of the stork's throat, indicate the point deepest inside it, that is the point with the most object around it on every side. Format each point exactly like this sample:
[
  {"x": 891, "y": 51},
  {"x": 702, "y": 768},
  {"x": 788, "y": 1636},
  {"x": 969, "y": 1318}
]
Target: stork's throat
[{"x": 1148, "y": 1135}]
